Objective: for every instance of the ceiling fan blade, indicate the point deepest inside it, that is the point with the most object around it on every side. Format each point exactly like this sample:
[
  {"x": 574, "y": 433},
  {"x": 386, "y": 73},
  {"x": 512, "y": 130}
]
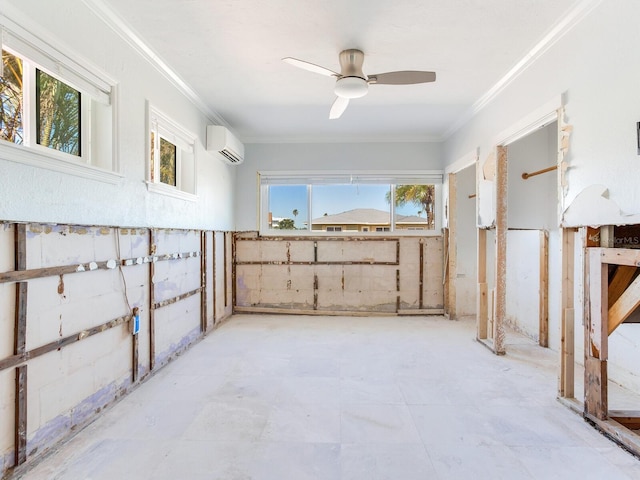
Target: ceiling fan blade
[
  {"x": 406, "y": 77},
  {"x": 312, "y": 67},
  {"x": 339, "y": 106}
]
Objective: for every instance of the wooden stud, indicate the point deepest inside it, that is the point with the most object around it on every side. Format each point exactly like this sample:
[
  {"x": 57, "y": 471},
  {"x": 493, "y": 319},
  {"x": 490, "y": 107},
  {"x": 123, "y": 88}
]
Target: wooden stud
[
  {"x": 482, "y": 308},
  {"x": 567, "y": 378},
  {"x": 203, "y": 281},
  {"x": 152, "y": 301},
  {"x": 19, "y": 346},
  {"x": 543, "y": 333},
  {"x": 398, "y": 290},
  {"x": 421, "y": 276},
  {"x": 21, "y": 415},
  {"x": 445, "y": 270},
  {"x": 453, "y": 245},
  {"x": 226, "y": 268},
  {"x": 214, "y": 287},
  {"x": 596, "y": 388},
  {"x": 567, "y": 315},
  {"x": 597, "y": 326},
  {"x": 501, "y": 251},
  {"x": 624, "y": 306},
  {"x": 596, "y": 338},
  {"x": 621, "y": 280}
]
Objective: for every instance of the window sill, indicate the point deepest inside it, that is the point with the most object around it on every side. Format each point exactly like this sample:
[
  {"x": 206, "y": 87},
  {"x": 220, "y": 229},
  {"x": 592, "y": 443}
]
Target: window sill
[
  {"x": 170, "y": 191},
  {"x": 50, "y": 161}
]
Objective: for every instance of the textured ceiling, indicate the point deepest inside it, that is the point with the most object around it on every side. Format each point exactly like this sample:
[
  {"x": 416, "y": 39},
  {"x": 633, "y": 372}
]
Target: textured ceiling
[{"x": 229, "y": 52}]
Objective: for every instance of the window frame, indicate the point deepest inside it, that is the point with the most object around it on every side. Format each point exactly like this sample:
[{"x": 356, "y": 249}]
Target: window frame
[
  {"x": 414, "y": 177},
  {"x": 163, "y": 127},
  {"x": 94, "y": 87}
]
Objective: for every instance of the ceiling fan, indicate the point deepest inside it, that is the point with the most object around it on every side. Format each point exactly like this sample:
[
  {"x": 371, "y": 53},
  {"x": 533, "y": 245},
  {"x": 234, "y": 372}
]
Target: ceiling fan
[{"x": 352, "y": 83}]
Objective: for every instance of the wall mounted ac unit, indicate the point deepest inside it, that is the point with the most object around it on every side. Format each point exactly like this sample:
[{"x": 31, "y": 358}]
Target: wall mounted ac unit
[{"x": 221, "y": 140}]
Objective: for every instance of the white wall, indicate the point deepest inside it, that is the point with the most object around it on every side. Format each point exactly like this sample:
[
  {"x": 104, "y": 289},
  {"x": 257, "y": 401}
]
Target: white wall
[
  {"x": 36, "y": 194},
  {"x": 299, "y": 157},
  {"x": 532, "y": 203},
  {"x": 466, "y": 252},
  {"x": 595, "y": 67}
]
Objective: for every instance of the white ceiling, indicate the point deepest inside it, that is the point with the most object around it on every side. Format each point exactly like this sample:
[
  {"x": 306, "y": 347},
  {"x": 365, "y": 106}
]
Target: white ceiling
[{"x": 229, "y": 52}]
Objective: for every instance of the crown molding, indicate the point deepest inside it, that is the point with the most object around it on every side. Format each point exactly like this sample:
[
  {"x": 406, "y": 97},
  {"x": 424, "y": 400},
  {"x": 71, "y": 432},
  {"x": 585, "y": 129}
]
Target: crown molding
[
  {"x": 129, "y": 35},
  {"x": 563, "y": 26}
]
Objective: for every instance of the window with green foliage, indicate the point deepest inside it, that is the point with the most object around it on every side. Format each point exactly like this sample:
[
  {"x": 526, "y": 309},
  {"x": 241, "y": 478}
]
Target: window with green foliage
[
  {"x": 54, "y": 112},
  {"x": 171, "y": 157},
  {"x": 11, "y": 96},
  {"x": 58, "y": 114},
  {"x": 350, "y": 203}
]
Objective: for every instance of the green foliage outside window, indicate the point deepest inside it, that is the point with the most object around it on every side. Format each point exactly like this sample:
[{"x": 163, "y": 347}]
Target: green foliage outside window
[
  {"x": 11, "y": 99},
  {"x": 58, "y": 114},
  {"x": 167, "y": 162}
]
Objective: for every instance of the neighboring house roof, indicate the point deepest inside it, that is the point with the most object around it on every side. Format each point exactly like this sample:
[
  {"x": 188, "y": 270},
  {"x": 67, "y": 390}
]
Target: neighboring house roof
[{"x": 365, "y": 216}]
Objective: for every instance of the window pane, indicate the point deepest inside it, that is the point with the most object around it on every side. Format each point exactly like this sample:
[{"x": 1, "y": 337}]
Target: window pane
[
  {"x": 353, "y": 208},
  {"x": 11, "y": 128},
  {"x": 58, "y": 114},
  {"x": 415, "y": 207},
  {"x": 288, "y": 207},
  {"x": 167, "y": 162}
]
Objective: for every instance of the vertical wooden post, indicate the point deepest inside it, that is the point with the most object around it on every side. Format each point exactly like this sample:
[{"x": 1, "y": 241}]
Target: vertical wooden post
[
  {"x": 421, "y": 276},
  {"x": 482, "y": 309},
  {"x": 152, "y": 300},
  {"x": 567, "y": 314},
  {"x": 135, "y": 361},
  {"x": 21, "y": 414},
  {"x": 596, "y": 338},
  {"x": 203, "y": 281},
  {"x": 19, "y": 346},
  {"x": 501, "y": 251},
  {"x": 226, "y": 273},
  {"x": 214, "y": 290},
  {"x": 543, "y": 333},
  {"x": 453, "y": 244},
  {"x": 445, "y": 270}
]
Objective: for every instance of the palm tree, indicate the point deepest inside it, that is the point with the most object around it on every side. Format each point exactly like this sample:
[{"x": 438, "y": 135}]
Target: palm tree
[
  {"x": 295, "y": 214},
  {"x": 11, "y": 128},
  {"x": 419, "y": 195}
]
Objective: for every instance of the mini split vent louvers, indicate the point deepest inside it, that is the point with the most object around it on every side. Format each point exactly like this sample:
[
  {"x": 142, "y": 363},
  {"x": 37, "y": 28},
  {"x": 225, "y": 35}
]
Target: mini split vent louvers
[{"x": 221, "y": 140}]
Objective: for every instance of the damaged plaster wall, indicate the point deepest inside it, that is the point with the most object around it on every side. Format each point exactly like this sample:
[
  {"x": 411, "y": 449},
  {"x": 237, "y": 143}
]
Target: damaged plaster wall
[
  {"x": 298, "y": 157},
  {"x": 36, "y": 194},
  {"x": 600, "y": 173},
  {"x": 602, "y": 109}
]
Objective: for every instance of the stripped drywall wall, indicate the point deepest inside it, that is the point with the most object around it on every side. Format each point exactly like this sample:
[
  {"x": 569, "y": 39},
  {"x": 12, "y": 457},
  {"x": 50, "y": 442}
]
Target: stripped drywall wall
[
  {"x": 77, "y": 289},
  {"x": 339, "y": 274}
]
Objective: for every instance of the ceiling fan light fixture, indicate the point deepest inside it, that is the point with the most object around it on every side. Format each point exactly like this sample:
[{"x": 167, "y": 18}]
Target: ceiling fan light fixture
[{"x": 351, "y": 87}]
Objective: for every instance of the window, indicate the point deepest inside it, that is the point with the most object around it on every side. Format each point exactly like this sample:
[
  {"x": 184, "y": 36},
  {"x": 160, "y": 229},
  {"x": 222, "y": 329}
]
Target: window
[
  {"x": 349, "y": 203},
  {"x": 54, "y": 112},
  {"x": 172, "y": 168},
  {"x": 58, "y": 114}
]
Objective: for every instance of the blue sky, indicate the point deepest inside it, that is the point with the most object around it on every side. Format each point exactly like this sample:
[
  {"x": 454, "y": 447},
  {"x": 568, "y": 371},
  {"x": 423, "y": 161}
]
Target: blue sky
[{"x": 330, "y": 199}]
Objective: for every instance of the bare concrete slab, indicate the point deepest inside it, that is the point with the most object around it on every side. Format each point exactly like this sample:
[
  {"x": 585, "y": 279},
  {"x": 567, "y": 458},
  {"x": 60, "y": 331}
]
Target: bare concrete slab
[{"x": 308, "y": 397}]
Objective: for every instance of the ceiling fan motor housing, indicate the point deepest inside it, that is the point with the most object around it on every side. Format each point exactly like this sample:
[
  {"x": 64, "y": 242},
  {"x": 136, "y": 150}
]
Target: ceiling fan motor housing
[{"x": 352, "y": 82}]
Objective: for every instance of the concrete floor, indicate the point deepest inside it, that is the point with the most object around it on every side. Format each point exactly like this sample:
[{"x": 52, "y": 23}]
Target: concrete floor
[{"x": 301, "y": 397}]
